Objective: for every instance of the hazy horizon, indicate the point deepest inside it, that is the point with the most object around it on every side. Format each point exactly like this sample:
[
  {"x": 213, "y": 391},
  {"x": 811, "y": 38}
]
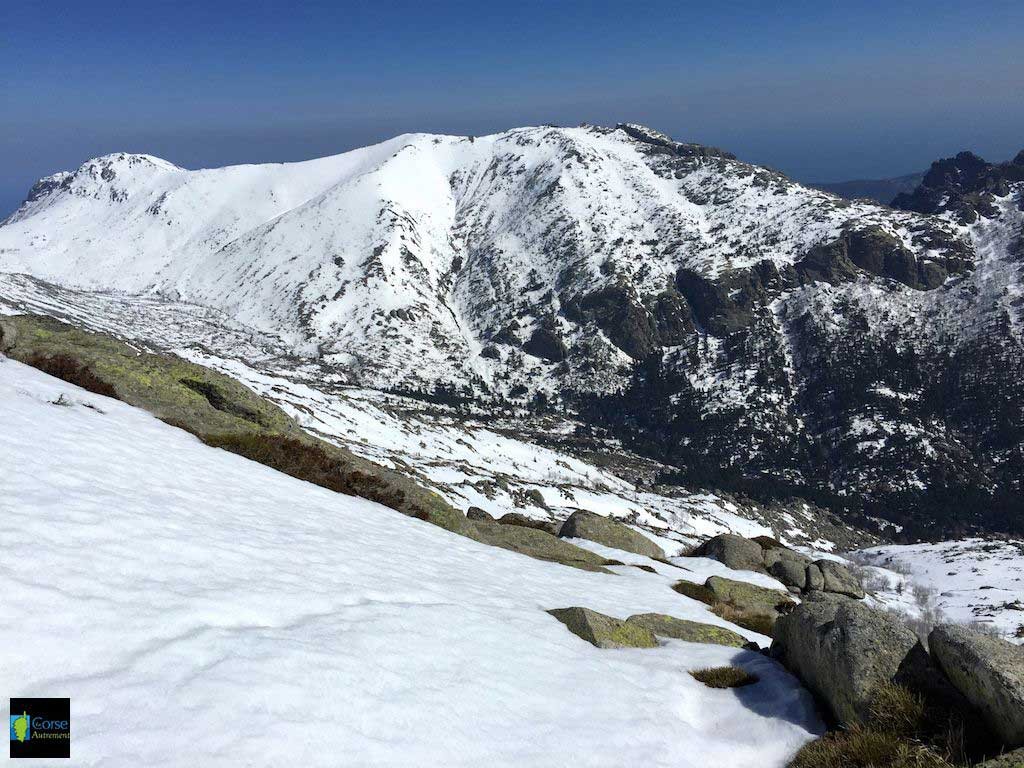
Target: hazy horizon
[{"x": 821, "y": 94}]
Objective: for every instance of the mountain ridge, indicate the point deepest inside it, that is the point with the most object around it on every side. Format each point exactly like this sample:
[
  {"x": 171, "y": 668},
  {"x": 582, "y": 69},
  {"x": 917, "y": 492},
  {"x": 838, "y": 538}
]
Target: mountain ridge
[{"x": 584, "y": 268}]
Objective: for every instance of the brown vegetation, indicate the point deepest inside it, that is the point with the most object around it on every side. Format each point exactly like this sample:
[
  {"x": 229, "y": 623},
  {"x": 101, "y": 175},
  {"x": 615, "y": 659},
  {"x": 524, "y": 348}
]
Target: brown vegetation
[
  {"x": 72, "y": 371},
  {"x": 724, "y": 677},
  {"x": 901, "y": 732}
]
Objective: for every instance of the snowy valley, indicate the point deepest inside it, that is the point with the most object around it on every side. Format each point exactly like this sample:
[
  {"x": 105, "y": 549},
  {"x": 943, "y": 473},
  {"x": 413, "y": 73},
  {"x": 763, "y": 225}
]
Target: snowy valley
[{"x": 525, "y": 327}]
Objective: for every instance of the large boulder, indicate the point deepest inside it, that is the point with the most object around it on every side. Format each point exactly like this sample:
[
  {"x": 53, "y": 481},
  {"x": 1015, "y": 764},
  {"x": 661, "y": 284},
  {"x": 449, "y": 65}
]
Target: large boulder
[
  {"x": 842, "y": 651},
  {"x": 749, "y": 598},
  {"x": 475, "y": 513},
  {"x": 604, "y": 631},
  {"x": 537, "y": 544},
  {"x": 815, "y": 579},
  {"x": 734, "y": 552},
  {"x": 763, "y": 554},
  {"x": 989, "y": 672},
  {"x": 691, "y": 631},
  {"x": 517, "y": 518},
  {"x": 837, "y": 578},
  {"x": 604, "y": 530},
  {"x": 787, "y": 566}
]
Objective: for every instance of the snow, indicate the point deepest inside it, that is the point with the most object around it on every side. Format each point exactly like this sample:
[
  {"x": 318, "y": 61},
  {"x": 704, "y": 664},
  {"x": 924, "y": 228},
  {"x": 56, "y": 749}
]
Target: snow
[
  {"x": 200, "y": 608},
  {"x": 401, "y": 261},
  {"x": 969, "y": 581},
  {"x": 476, "y": 460}
]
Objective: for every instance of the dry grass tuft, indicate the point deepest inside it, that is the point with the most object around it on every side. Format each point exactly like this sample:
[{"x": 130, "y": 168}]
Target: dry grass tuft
[
  {"x": 724, "y": 677},
  {"x": 901, "y": 732}
]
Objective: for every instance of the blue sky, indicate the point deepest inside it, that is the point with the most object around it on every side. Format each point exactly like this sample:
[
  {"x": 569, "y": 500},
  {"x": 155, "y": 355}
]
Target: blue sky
[{"x": 820, "y": 90}]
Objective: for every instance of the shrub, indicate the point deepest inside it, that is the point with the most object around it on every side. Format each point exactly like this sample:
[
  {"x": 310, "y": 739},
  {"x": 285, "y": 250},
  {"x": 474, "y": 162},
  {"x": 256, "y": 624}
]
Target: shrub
[
  {"x": 72, "y": 371},
  {"x": 866, "y": 748},
  {"x": 724, "y": 677},
  {"x": 901, "y": 731},
  {"x": 310, "y": 463}
]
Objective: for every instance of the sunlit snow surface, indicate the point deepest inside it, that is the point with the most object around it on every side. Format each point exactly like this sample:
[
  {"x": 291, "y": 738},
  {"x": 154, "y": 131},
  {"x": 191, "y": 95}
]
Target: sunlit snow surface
[
  {"x": 202, "y": 609},
  {"x": 971, "y": 581},
  {"x": 470, "y": 460}
]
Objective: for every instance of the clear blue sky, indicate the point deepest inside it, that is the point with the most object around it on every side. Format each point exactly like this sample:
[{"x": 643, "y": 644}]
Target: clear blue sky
[{"x": 821, "y": 90}]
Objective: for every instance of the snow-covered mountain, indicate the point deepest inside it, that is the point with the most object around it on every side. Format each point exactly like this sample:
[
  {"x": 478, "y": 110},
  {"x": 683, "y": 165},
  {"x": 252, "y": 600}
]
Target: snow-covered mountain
[{"x": 756, "y": 334}]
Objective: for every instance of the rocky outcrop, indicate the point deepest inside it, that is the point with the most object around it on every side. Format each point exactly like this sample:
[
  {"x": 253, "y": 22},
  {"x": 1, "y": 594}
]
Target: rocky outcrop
[
  {"x": 690, "y": 631},
  {"x": 749, "y": 598},
  {"x": 516, "y": 518},
  {"x": 604, "y": 530},
  {"x": 746, "y": 605},
  {"x": 734, "y": 552},
  {"x": 877, "y": 252},
  {"x": 837, "y": 578},
  {"x": 623, "y": 319},
  {"x": 604, "y": 631},
  {"x": 537, "y": 544},
  {"x": 842, "y": 651},
  {"x": 729, "y": 302},
  {"x": 796, "y": 571},
  {"x": 965, "y": 185},
  {"x": 546, "y": 344},
  {"x": 989, "y": 672},
  {"x": 475, "y": 513}
]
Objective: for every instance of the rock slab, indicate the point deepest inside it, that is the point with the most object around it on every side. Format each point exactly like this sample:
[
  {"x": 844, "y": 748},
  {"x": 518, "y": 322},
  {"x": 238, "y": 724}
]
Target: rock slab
[
  {"x": 604, "y": 530},
  {"x": 604, "y": 631},
  {"x": 690, "y": 631},
  {"x": 989, "y": 672},
  {"x": 842, "y": 650}
]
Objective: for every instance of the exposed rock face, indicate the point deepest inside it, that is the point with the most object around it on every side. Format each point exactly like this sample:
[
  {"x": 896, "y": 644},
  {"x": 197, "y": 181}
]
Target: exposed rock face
[
  {"x": 538, "y": 544},
  {"x": 815, "y": 578},
  {"x": 691, "y": 631},
  {"x": 515, "y": 518},
  {"x": 623, "y": 319},
  {"x": 842, "y": 650},
  {"x": 965, "y": 184},
  {"x": 734, "y": 552},
  {"x": 604, "y": 631},
  {"x": 837, "y": 578},
  {"x": 604, "y": 530},
  {"x": 793, "y": 569},
  {"x": 475, "y": 513},
  {"x": 546, "y": 344},
  {"x": 989, "y": 672},
  {"x": 749, "y": 597}
]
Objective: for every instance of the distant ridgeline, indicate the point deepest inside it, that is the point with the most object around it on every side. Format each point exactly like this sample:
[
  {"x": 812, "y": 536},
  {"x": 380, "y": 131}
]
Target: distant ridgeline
[{"x": 754, "y": 334}]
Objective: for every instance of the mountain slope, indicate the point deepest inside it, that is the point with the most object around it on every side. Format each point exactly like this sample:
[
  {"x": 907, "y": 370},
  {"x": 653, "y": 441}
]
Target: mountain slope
[
  {"x": 753, "y": 333},
  {"x": 371, "y": 635},
  {"x": 434, "y": 246}
]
